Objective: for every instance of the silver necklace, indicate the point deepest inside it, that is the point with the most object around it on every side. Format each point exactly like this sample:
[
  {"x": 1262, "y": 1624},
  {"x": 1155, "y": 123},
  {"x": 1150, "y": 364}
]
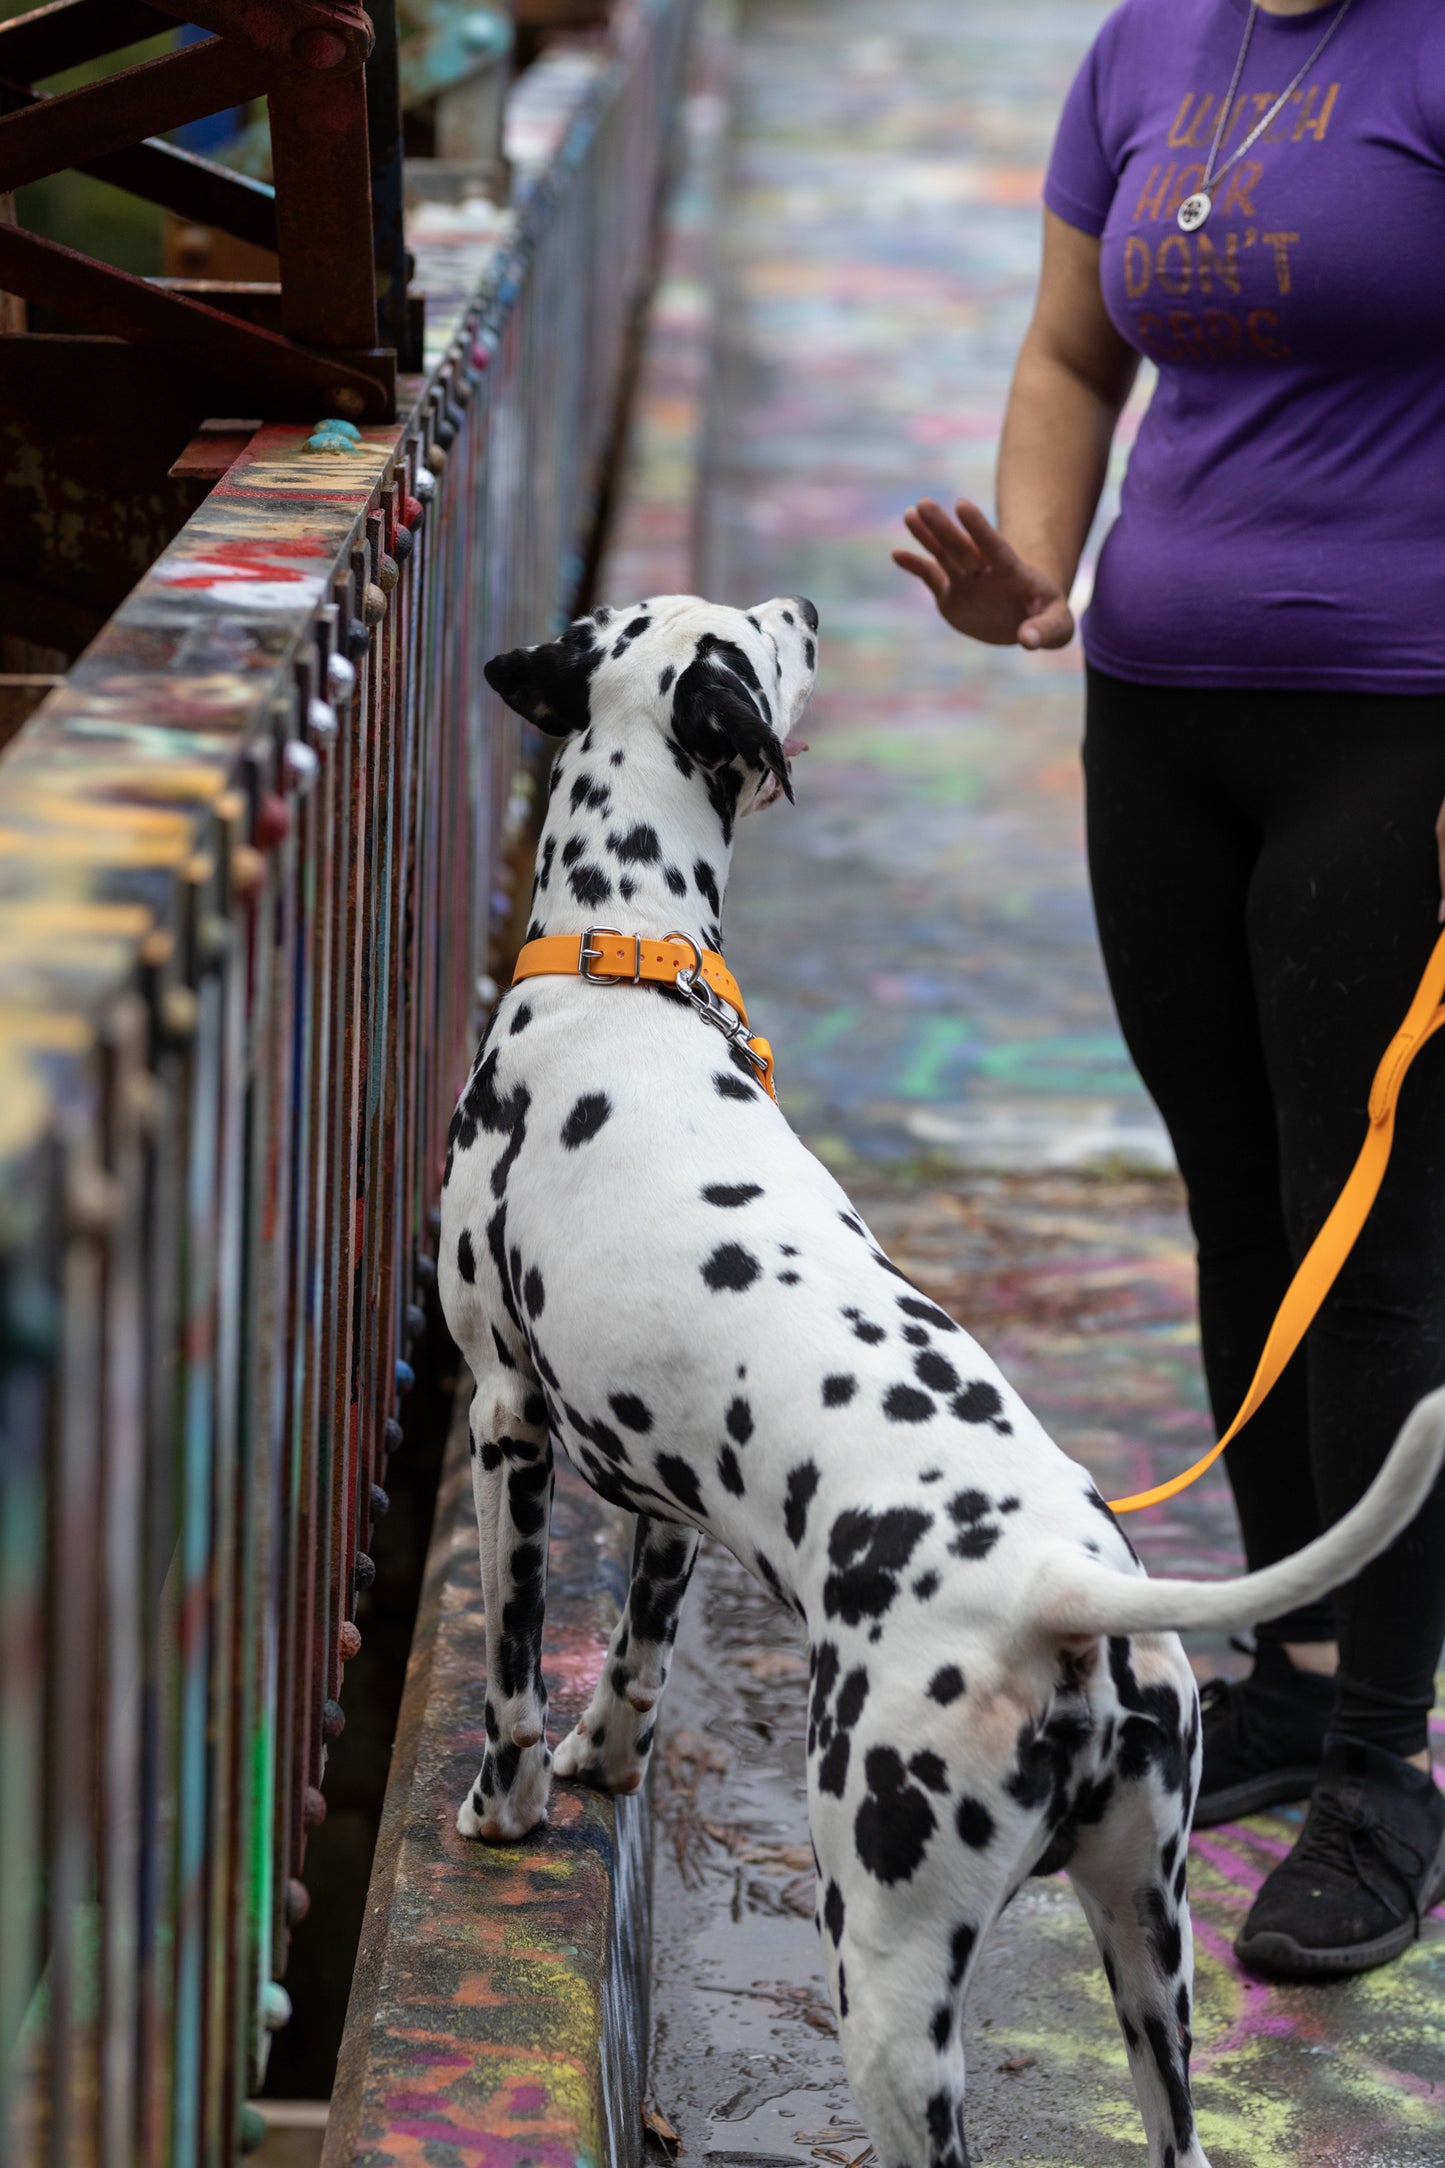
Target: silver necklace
[{"x": 1196, "y": 208}]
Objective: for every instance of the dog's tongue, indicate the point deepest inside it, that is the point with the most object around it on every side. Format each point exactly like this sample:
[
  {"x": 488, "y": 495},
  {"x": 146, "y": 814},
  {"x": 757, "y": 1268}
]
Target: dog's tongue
[{"x": 794, "y": 746}]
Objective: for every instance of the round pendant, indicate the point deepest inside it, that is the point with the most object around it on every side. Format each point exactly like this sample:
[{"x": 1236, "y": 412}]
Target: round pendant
[{"x": 1193, "y": 211}]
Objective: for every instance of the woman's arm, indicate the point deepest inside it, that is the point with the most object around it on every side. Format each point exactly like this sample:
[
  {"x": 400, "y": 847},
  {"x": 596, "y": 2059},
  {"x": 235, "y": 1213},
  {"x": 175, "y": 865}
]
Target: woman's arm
[{"x": 1073, "y": 375}]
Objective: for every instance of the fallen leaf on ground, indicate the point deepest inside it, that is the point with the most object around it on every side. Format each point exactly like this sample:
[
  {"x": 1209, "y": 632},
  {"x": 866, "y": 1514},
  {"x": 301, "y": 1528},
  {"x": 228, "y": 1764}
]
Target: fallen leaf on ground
[
  {"x": 655, "y": 2121},
  {"x": 1016, "y": 2063}
]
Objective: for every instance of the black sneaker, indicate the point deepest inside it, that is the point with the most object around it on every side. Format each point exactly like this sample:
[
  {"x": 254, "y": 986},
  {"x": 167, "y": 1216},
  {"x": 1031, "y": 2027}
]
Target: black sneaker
[
  {"x": 1368, "y": 1865},
  {"x": 1263, "y": 1737}
]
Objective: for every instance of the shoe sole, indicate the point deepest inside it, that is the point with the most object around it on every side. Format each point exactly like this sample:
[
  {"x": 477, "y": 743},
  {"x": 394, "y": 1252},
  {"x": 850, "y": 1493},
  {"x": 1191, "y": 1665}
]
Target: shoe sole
[
  {"x": 1279, "y": 1957},
  {"x": 1275, "y": 1788}
]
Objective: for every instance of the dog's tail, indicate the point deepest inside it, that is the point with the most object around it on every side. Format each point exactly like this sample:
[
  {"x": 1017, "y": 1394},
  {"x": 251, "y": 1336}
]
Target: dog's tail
[{"x": 1078, "y": 1596}]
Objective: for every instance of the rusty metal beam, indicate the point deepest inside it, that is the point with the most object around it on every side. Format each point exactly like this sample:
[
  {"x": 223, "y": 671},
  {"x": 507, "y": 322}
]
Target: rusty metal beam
[
  {"x": 238, "y": 353},
  {"x": 321, "y": 162},
  {"x": 327, "y": 36},
  {"x": 69, "y": 32},
  {"x": 136, "y": 102},
  {"x": 178, "y": 180}
]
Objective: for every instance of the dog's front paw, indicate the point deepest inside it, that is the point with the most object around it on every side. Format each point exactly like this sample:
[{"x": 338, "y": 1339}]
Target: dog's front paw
[
  {"x": 507, "y": 1802},
  {"x": 608, "y": 1752}
]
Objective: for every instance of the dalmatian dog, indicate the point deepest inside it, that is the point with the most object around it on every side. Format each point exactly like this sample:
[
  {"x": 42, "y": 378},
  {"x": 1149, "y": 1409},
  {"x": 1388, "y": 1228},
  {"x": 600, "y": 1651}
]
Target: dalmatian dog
[{"x": 644, "y": 1266}]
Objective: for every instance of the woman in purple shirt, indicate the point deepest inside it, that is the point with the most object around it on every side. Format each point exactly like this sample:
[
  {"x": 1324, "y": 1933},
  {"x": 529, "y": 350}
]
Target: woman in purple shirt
[{"x": 1252, "y": 194}]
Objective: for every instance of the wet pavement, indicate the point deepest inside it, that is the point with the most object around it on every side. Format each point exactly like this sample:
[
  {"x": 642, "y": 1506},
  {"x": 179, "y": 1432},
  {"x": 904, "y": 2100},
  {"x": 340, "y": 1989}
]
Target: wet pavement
[{"x": 916, "y": 938}]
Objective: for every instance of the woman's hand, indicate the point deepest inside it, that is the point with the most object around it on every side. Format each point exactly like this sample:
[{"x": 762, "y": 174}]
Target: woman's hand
[{"x": 982, "y": 587}]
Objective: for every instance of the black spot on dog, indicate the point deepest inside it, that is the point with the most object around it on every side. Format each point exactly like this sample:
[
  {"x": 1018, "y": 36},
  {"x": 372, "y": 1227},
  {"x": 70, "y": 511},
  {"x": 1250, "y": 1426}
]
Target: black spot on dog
[
  {"x": 534, "y": 1294},
  {"x": 664, "y": 682},
  {"x": 626, "y": 888},
  {"x": 590, "y": 885},
  {"x": 928, "y": 1313},
  {"x": 895, "y": 1821},
  {"x": 960, "y": 1951},
  {"x": 730, "y": 1194},
  {"x": 544, "y": 864},
  {"x": 838, "y": 1390},
  {"x": 863, "y": 1330},
  {"x": 946, "y": 1685},
  {"x": 935, "y": 1370},
  {"x": 520, "y": 1021},
  {"x": 1175, "y": 2078},
  {"x": 676, "y": 879},
  {"x": 790, "y": 1279},
  {"x": 586, "y": 1118},
  {"x": 505, "y": 1356},
  {"x": 631, "y": 1412},
  {"x": 981, "y": 1402},
  {"x": 628, "y": 634},
  {"x": 1161, "y": 1925},
  {"x": 802, "y": 1486},
  {"x": 1152, "y": 1736},
  {"x": 707, "y": 887},
  {"x": 975, "y": 1824},
  {"x": 639, "y": 847},
  {"x": 483, "y": 1107},
  {"x": 616, "y": 759},
  {"x": 730, "y": 1474},
  {"x": 574, "y": 846},
  {"x": 739, "y": 1420},
  {"x": 834, "y": 1912},
  {"x": 466, "y": 1257},
  {"x": 810, "y": 653},
  {"x": 929, "y": 1769},
  {"x": 925, "y": 1586},
  {"x": 905, "y": 1404},
  {"x": 851, "y": 1221},
  {"x": 680, "y": 760},
  {"x": 868, "y": 1552},
  {"x": 731, "y": 1087},
  {"x": 1101, "y": 1505},
  {"x": 830, "y": 1724},
  {"x": 977, "y": 1534},
  {"x": 732, "y": 1267},
  {"x": 680, "y": 1480}
]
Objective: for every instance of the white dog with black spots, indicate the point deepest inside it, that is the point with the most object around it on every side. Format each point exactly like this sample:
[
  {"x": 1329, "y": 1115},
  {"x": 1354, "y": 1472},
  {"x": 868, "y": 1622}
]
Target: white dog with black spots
[{"x": 643, "y": 1264}]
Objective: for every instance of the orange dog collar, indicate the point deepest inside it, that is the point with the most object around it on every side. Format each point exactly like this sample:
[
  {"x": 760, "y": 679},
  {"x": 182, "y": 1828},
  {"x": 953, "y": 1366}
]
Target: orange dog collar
[{"x": 605, "y": 957}]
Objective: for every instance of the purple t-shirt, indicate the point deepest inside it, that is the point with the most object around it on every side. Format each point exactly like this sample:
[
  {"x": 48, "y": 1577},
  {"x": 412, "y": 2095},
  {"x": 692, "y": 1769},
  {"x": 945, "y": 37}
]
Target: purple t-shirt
[{"x": 1283, "y": 515}]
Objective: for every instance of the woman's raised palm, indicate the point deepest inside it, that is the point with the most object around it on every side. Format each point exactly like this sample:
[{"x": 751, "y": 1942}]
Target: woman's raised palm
[{"x": 983, "y": 587}]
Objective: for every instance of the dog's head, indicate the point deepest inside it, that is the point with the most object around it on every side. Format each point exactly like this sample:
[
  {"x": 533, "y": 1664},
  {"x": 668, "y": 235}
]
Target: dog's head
[{"x": 726, "y": 687}]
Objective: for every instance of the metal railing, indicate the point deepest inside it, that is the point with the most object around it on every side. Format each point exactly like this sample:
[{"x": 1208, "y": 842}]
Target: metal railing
[{"x": 254, "y": 869}]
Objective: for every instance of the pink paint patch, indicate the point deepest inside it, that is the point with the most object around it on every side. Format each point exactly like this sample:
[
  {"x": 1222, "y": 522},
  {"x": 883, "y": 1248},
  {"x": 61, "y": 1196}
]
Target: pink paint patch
[
  {"x": 527, "y": 2100},
  {"x": 493, "y": 2150},
  {"x": 576, "y": 1664}
]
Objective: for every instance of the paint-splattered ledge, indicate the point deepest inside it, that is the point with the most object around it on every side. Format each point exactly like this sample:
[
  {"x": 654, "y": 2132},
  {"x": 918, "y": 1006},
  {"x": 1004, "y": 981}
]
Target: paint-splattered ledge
[{"x": 499, "y": 2003}]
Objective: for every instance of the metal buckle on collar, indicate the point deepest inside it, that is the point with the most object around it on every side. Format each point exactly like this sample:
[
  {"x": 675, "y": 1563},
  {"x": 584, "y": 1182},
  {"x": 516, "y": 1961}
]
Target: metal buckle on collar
[
  {"x": 691, "y": 984},
  {"x": 588, "y": 955}
]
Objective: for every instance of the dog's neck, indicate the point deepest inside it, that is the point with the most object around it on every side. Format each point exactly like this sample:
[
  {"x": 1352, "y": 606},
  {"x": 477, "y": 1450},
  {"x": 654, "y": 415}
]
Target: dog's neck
[{"x": 636, "y": 836}]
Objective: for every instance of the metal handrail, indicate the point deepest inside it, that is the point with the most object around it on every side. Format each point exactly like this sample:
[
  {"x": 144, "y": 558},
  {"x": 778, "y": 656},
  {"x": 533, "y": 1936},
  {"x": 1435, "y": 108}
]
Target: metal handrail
[{"x": 255, "y": 858}]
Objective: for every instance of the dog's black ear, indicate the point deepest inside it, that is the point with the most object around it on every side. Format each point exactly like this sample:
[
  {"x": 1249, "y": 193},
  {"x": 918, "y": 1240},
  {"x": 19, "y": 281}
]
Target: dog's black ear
[
  {"x": 717, "y": 713},
  {"x": 550, "y": 686}
]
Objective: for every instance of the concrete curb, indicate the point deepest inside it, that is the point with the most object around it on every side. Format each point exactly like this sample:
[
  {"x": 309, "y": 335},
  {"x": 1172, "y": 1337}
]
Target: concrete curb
[{"x": 499, "y": 2003}]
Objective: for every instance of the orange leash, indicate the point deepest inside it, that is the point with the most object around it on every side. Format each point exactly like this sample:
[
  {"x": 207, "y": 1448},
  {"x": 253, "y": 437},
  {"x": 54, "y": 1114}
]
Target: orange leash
[
  {"x": 1332, "y": 1245},
  {"x": 605, "y": 957}
]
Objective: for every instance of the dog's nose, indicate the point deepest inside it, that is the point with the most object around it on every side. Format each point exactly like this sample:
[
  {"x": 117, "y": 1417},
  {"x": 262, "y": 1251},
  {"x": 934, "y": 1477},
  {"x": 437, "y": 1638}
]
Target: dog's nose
[{"x": 810, "y": 615}]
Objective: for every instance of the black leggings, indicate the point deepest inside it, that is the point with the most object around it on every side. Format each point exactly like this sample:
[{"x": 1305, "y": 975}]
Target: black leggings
[{"x": 1264, "y": 874}]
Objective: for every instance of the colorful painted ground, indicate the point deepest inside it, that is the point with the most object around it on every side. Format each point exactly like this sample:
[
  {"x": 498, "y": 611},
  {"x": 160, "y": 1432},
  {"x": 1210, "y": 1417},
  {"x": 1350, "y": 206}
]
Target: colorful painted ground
[{"x": 916, "y": 938}]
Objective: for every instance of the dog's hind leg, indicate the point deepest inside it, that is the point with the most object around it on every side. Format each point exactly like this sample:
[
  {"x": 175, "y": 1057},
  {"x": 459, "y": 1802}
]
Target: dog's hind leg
[
  {"x": 610, "y": 1746},
  {"x": 512, "y": 1482},
  {"x": 899, "y": 1952},
  {"x": 1129, "y": 1872}
]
